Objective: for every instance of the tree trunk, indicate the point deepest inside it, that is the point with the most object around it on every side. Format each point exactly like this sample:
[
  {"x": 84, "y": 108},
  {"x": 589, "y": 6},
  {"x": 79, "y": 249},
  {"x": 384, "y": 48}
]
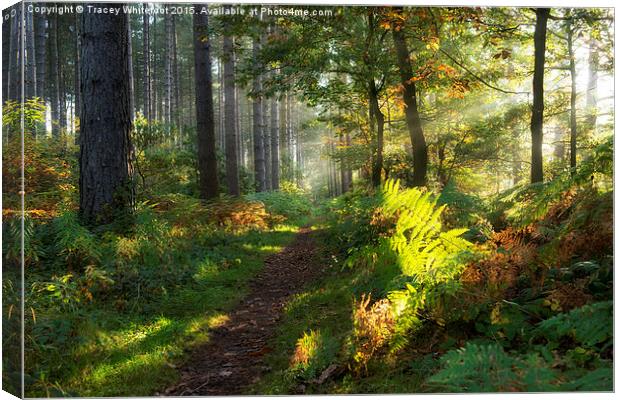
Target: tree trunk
[
  {"x": 30, "y": 77},
  {"x": 377, "y": 121},
  {"x": 257, "y": 126},
  {"x": 205, "y": 126},
  {"x": 275, "y": 145},
  {"x": 106, "y": 191},
  {"x": 176, "y": 80},
  {"x": 6, "y": 51},
  {"x": 54, "y": 75},
  {"x": 15, "y": 53},
  {"x": 168, "y": 71},
  {"x": 536, "y": 124},
  {"x": 78, "y": 92},
  {"x": 414, "y": 123},
  {"x": 146, "y": 67},
  {"x": 230, "y": 119},
  {"x": 267, "y": 144},
  {"x": 130, "y": 70},
  {"x": 573, "y": 97},
  {"x": 40, "y": 27},
  {"x": 593, "y": 61}
]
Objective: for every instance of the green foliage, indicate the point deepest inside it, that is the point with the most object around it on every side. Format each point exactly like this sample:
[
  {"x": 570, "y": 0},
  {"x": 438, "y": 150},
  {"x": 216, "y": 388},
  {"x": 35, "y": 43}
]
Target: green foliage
[
  {"x": 488, "y": 368},
  {"x": 313, "y": 353},
  {"x": 590, "y": 326},
  {"x": 291, "y": 202},
  {"x": 33, "y": 111}
]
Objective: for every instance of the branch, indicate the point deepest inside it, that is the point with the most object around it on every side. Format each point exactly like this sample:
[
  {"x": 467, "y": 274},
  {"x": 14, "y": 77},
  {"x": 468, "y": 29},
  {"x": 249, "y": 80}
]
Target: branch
[{"x": 477, "y": 77}]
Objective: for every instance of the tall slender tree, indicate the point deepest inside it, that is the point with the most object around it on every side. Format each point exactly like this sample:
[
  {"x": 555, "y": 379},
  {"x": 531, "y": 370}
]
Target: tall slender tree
[
  {"x": 536, "y": 124},
  {"x": 414, "y": 123},
  {"x": 230, "y": 118},
  {"x": 257, "y": 125},
  {"x": 146, "y": 67},
  {"x": 205, "y": 126},
  {"x": 105, "y": 185}
]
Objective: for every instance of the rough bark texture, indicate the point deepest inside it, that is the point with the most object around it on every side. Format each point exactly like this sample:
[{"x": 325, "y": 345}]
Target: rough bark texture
[
  {"x": 168, "y": 70},
  {"x": 257, "y": 127},
  {"x": 414, "y": 123},
  {"x": 205, "y": 125},
  {"x": 130, "y": 70},
  {"x": 230, "y": 124},
  {"x": 15, "y": 54},
  {"x": 54, "y": 75},
  {"x": 536, "y": 124},
  {"x": 78, "y": 92},
  {"x": 267, "y": 143},
  {"x": 6, "y": 48},
  {"x": 377, "y": 121},
  {"x": 275, "y": 145},
  {"x": 30, "y": 80},
  {"x": 146, "y": 67},
  {"x": 106, "y": 191}
]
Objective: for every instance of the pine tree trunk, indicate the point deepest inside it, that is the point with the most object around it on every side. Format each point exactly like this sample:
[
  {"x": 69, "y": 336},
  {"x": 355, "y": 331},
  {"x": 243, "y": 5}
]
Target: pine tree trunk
[
  {"x": 176, "y": 80},
  {"x": 78, "y": 92},
  {"x": 573, "y": 97},
  {"x": 593, "y": 61},
  {"x": 146, "y": 67},
  {"x": 377, "y": 123},
  {"x": 536, "y": 124},
  {"x": 257, "y": 129},
  {"x": 168, "y": 71},
  {"x": 230, "y": 118},
  {"x": 414, "y": 123},
  {"x": 205, "y": 125},
  {"x": 30, "y": 78},
  {"x": 106, "y": 191},
  {"x": 275, "y": 145},
  {"x": 54, "y": 75},
  {"x": 6, "y": 58},
  {"x": 267, "y": 144},
  {"x": 16, "y": 46},
  {"x": 130, "y": 70}
]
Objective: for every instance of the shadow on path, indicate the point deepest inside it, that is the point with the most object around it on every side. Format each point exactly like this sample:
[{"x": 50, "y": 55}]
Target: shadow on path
[{"x": 233, "y": 358}]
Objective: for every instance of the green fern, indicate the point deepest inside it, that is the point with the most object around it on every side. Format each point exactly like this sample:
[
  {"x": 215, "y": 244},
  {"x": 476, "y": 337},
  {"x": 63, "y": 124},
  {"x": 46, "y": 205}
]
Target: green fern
[{"x": 590, "y": 326}]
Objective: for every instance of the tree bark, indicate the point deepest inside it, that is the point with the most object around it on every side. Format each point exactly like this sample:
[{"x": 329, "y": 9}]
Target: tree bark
[
  {"x": 414, "y": 123},
  {"x": 257, "y": 126},
  {"x": 30, "y": 77},
  {"x": 536, "y": 124},
  {"x": 40, "y": 27},
  {"x": 106, "y": 191},
  {"x": 54, "y": 75},
  {"x": 168, "y": 71},
  {"x": 205, "y": 126},
  {"x": 267, "y": 144},
  {"x": 275, "y": 145},
  {"x": 6, "y": 58},
  {"x": 377, "y": 121},
  {"x": 78, "y": 92},
  {"x": 573, "y": 97},
  {"x": 230, "y": 118},
  {"x": 146, "y": 67},
  {"x": 130, "y": 70}
]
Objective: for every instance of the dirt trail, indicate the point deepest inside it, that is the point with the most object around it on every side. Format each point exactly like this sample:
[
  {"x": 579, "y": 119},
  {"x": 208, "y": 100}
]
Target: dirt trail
[{"x": 233, "y": 357}]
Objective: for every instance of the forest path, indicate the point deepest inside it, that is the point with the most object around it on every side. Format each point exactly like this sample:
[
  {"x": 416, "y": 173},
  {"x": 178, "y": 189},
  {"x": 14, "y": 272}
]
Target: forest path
[{"x": 233, "y": 358}]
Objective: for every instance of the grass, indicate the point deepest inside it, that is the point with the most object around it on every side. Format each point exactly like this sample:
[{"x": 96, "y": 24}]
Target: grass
[
  {"x": 136, "y": 353},
  {"x": 325, "y": 308}
]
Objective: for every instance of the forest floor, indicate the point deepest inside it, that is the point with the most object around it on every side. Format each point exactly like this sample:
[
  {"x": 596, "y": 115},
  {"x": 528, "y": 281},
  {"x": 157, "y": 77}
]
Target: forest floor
[{"x": 233, "y": 358}]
